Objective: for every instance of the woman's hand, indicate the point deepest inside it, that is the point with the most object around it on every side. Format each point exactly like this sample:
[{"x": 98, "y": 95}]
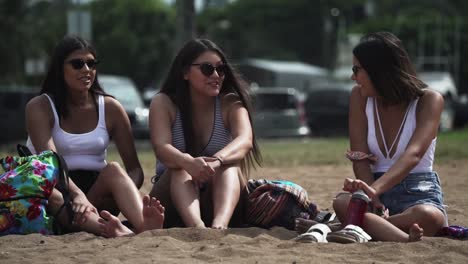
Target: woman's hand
[
  {"x": 199, "y": 169},
  {"x": 82, "y": 208},
  {"x": 352, "y": 185},
  {"x": 214, "y": 163}
]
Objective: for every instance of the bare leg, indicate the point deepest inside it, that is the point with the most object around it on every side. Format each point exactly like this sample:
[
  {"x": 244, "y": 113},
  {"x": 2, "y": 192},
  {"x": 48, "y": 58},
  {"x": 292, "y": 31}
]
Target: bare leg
[
  {"x": 428, "y": 217},
  {"x": 226, "y": 193},
  {"x": 56, "y": 201},
  {"x": 405, "y": 227},
  {"x": 113, "y": 181},
  {"x": 186, "y": 198}
]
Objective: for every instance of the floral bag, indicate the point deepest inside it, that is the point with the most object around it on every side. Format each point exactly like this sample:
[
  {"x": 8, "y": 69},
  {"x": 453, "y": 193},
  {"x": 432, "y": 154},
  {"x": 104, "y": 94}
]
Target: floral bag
[{"x": 25, "y": 188}]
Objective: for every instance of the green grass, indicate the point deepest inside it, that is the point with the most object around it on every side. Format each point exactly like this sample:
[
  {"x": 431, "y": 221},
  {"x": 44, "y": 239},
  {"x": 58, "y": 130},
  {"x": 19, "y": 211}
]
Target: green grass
[{"x": 313, "y": 151}]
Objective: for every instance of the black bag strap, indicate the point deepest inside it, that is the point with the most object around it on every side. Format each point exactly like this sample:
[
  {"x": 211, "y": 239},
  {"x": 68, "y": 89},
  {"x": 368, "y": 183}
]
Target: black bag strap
[
  {"x": 23, "y": 151},
  {"x": 63, "y": 185}
]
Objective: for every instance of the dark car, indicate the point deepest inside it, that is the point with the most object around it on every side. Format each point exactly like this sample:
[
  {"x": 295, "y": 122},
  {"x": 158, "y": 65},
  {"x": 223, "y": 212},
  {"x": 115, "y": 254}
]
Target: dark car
[
  {"x": 13, "y": 100},
  {"x": 327, "y": 107},
  {"x": 125, "y": 91},
  {"x": 279, "y": 112}
]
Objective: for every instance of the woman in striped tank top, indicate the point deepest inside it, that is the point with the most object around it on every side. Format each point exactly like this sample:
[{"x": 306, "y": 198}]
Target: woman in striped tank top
[
  {"x": 202, "y": 136},
  {"x": 393, "y": 126}
]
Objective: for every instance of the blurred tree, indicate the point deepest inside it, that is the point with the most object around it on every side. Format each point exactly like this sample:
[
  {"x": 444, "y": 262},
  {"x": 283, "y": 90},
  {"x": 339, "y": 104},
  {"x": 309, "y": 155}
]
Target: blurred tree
[
  {"x": 290, "y": 30},
  {"x": 29, "y": 30},
  {"x": 12, "y": 33},
  {"x": 133, "y": 38},
  {"x": 433, "y": 31},
  {"x": 185, "y": 21}
]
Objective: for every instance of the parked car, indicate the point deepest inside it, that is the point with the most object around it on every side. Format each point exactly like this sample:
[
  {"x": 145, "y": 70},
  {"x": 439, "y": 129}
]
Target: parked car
[
  {"x": 279, "y": 112},
  {"x": 13, "y": 100},
  {"x": 148, "y": 94},
  {"x": 125, "y": 91},
  {"x": 443, "y": 83},
  {"x": 327, "y": 108},
  {"x": 461, "y": 111}
]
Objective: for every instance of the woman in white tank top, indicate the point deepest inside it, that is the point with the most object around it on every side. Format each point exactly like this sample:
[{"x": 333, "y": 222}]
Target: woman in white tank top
[
  {"x": 393, "y": 125},
  {"x": 74, "y": 117}
]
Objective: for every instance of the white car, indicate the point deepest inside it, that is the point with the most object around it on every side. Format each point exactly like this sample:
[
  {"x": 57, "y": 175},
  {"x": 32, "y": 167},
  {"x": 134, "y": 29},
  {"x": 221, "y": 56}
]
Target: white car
[
  {"x": 443, "y": 83},
  {"x": 125, "y": 91}
]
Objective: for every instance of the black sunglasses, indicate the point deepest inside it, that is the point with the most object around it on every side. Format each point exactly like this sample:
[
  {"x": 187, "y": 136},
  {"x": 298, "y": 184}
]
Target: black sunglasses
[
  {"x": 208, "y": 69},
  {"x": 77, "y": 64},
  {"x": 355, "y": 69}
]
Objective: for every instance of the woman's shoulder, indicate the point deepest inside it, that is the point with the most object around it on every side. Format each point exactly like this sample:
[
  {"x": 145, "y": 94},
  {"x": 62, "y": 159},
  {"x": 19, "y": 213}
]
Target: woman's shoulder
[
  {"x": 430, "y": 97},
  {"x": 162, "y": 100},
  {"x": 38, "y": 103},
  {"x": 230, "y": 99}
]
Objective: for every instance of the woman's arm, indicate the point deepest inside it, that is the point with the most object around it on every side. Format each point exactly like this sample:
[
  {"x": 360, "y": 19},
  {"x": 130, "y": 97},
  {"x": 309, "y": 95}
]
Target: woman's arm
[
  {"x": 120, "y": 130},
  {"x": 162, "y": 115},
  {"x": 39, "y": 123},
  {"x": 428, "y": 113},
  {"x": 358, "y": 134},
  {"x": 237, "y": 120}
]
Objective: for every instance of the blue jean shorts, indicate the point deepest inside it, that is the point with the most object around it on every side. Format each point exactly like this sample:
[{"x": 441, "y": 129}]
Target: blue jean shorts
[{"x": 415, "y": 189}]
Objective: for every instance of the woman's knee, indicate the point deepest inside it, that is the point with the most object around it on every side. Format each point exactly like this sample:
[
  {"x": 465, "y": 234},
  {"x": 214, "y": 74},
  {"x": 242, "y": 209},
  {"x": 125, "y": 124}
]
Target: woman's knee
[
  {"x": 340, "y": 203},
  {"x": 427, "y": 215},
  {"x": 112, "y": 167}
]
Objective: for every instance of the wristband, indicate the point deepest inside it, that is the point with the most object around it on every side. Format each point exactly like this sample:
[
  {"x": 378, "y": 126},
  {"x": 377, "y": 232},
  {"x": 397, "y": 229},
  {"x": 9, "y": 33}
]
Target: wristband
[{"x": 221, "y": 162}]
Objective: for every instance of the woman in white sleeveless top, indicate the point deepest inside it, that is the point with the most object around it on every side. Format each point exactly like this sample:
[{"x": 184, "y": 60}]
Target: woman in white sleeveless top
[
  {"x": 393, "y": 126},
  {"x": 76, "y": 118}
]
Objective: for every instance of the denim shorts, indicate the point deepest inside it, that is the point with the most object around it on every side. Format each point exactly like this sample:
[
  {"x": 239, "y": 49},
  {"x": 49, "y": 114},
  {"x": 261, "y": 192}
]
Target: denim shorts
[{"x": 416, "y": 188}]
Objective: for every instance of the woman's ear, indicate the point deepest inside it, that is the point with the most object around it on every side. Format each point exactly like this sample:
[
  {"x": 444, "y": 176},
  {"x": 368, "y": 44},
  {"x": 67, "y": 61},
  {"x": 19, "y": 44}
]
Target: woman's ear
[{"x": 185, "y": 73}]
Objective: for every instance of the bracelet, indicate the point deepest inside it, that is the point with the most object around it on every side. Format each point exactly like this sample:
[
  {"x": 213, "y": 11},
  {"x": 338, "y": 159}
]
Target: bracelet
[{"x": 221, "y": 162}]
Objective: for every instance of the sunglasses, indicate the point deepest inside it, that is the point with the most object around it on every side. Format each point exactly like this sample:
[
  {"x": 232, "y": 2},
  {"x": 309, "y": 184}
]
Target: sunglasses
[
  {"x": 208, "y": 69},
  {"x": 356, "y": 69},
  {"x": 77, "y": 64}
]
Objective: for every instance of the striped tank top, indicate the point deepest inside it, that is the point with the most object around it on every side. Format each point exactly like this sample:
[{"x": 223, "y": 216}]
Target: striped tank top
[{"x": 220, "y": 136}]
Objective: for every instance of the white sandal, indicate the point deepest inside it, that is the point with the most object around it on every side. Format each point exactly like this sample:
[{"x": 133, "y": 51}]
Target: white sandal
[
  {"x": 349, "y": 234},
  {"x": 316, "y": 233}
]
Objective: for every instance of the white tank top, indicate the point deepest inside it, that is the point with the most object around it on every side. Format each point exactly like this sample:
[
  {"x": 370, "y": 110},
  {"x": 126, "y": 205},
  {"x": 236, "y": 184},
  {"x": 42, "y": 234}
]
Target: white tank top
[
  {"x": 384, "y": 162},
  {"x": 85, "y": 151}
]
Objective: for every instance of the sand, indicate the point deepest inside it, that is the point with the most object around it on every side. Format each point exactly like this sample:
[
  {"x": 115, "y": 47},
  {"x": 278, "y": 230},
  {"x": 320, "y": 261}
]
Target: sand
[{"x": 254, "y": 245}]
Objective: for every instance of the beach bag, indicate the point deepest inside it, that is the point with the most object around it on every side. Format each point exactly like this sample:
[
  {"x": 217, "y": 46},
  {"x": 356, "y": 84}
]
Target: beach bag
[
  {"x": 277, "y": 203},
  {"x": 25, "y": 188}
]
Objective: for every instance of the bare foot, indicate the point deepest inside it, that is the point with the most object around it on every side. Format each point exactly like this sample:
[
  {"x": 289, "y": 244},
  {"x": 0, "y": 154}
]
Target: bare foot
[
  {"x": 111, "y": 226},
  {"x": 219, "y": 224},
  {"x": 415, "y": 233},
  {"x": 153, "y": 213},
  {"x": 220, "y": 227}
]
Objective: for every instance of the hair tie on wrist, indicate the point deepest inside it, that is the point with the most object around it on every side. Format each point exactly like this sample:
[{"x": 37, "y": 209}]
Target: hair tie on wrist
[{"x": 220, "y": 160}]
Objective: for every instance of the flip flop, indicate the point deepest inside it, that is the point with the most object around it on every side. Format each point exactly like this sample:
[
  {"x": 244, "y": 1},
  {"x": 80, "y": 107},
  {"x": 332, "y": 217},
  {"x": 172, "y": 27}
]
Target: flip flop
[
  {"x": 349, "y": 234},
  {"x": 316, "y": 233},
  {"x": 325, "y": 217}
]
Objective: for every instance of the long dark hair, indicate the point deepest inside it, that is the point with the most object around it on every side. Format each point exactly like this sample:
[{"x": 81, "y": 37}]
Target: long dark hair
[
  {"x": 177, "y": 88},
  {"x": 389, "y": 67},
  {"x": 54, "y": 83}
]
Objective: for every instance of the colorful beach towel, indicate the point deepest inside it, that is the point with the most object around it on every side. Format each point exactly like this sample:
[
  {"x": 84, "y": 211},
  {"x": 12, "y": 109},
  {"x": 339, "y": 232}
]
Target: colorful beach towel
[{"x": 277, "y": 203}]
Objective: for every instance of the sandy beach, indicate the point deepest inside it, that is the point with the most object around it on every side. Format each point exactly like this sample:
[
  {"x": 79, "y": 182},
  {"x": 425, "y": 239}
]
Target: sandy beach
[{"x": 254, "y": 245}]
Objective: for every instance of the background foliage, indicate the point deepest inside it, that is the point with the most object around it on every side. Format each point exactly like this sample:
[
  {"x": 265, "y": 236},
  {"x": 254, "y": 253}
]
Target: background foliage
[{"x": 136, "y": 38}]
